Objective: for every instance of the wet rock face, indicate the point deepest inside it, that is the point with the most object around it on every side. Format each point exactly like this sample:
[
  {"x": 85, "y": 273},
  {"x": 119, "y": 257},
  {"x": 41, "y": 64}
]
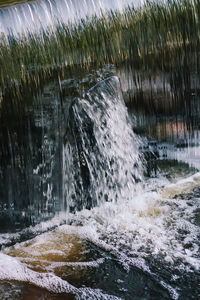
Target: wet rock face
[
  {"x": 191, "y": 198},
  {"x": 74, "y": 137},
  {"x": 195, "y": 193},
  {"x": 30, "y": 160}
]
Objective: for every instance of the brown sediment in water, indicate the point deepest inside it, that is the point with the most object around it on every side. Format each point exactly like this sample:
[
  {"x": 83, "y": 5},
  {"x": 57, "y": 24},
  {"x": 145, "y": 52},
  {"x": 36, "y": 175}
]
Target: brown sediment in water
[
  {"x": 181, "y": 187},
  {"x": 25, "y": 291},
  {"x": 45, "y": 251},
  {"x": 30, "y": 292}
]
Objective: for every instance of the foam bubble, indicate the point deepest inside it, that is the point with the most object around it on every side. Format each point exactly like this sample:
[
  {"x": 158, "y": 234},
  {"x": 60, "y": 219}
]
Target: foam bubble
[
  {"x": 182, "y": 186},
  {"x": 12, "y": 269},
  {"x": 149, "y": 227}
]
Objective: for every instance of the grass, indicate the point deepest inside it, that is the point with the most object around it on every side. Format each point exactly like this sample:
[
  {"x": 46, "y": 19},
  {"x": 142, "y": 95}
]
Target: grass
[
  {"x": 5, "y": 3},
  {"x": 157, "y": 36}
]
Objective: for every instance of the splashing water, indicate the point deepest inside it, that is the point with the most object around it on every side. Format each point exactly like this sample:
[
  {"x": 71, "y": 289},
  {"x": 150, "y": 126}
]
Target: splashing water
[
  {"x": 142, "y": 232},
  {"x": 119, "y": 231},
  {"x": 101, "y": 152}
]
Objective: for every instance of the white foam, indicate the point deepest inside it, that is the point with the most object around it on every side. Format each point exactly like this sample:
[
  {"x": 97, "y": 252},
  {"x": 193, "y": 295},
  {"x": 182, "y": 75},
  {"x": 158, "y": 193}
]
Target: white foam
[
  {"x": 149, "y": 225},
  {"x": 182, "y": 186},
  {"x": 12, "y": 269},
  {"x": 132, "y": 231}
]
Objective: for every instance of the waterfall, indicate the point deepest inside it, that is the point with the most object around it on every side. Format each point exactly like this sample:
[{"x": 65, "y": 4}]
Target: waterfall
[
  {"x": 101, "y": 158},
  {"x": 35, "y": 16},
  {"x": 76, "y": 154},
  {"x": 99, "y": 149}
]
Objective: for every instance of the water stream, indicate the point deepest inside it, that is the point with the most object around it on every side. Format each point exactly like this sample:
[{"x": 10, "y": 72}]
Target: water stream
[
  {"x": 99, "y": 175},
  {"x": 36, "y": 16}
]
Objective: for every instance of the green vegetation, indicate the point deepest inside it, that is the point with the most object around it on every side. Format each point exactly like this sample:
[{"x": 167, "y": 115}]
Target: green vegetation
[
  {"x": 5, "y": 3},
  {"x": 157, "y": 35}
]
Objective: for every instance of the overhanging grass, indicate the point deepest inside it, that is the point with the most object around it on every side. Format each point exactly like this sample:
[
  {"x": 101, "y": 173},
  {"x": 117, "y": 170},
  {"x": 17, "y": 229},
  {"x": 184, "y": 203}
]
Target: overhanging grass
[
  {"x": 157, "y": 35},
  {"x": 5, "y": 3}
]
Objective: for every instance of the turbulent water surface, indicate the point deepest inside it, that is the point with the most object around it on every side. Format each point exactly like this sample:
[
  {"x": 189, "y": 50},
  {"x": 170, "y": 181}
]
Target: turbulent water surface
[{"x": 131, "y": 235}]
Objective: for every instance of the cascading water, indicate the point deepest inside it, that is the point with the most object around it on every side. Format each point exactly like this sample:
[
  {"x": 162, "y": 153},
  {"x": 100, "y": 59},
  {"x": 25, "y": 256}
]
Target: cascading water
[
  {"x": 99, "y": 161},
  {"x": 131, "y": 230},
  {"x": 100, "y": 134},
  {"x": 36, "y": 16}
]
